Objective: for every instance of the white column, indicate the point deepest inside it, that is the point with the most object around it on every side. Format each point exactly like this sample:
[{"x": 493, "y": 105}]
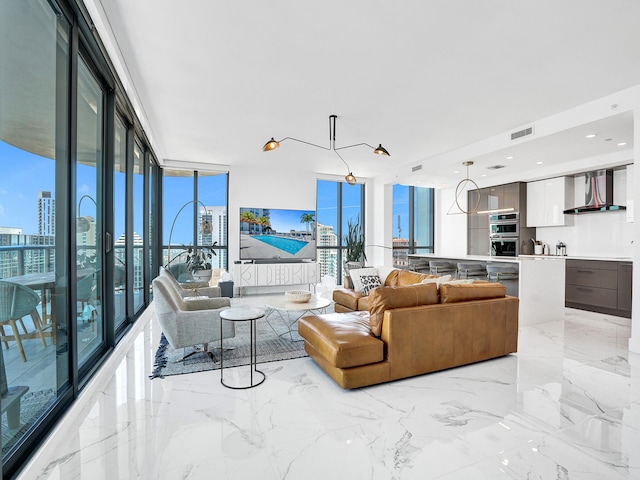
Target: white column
[{"x": 634, "y": 341}]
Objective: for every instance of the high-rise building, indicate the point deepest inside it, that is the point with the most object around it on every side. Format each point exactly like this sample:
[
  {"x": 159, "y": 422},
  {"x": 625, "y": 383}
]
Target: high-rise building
[
  {"x": 328, "y": 257},
  {"x": 46, "y": 214},
  {"x": 217, "y": 215}
]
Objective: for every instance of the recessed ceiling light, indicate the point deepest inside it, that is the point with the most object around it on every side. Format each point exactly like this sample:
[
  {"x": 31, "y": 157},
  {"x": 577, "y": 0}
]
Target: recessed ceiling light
[
  {"x": 456, "y": 171},
  {"x": 483, "y": 175},
  {"x": 622, "y": 144},
  {"x": 539, "y": 163},
  {"x": 510, "y": 157},
  {"x": 591, "y": 135}
]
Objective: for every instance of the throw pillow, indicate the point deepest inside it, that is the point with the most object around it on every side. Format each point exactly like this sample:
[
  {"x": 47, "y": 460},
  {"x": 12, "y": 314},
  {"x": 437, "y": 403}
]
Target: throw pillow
[
  {"x": 369, "y": 282},
  {"x": 357, "y": 273},
  {"x": 437, "y": 280}
]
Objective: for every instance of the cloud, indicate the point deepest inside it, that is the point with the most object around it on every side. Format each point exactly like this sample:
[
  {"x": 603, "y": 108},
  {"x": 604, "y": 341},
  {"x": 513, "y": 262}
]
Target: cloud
[{"x": 1, "y": 210}]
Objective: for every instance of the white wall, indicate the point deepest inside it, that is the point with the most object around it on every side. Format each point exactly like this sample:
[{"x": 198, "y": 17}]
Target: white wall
[
  {"x": 450, "y": 224},
  {"x": 265, "y": 188},
  {"x": 594, "y": 234}
]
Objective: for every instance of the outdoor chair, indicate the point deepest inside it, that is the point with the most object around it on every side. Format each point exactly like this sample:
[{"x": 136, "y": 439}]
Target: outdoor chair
[
  {"x": 17, "y": 301},
  {"x": 87, "y": 295}
]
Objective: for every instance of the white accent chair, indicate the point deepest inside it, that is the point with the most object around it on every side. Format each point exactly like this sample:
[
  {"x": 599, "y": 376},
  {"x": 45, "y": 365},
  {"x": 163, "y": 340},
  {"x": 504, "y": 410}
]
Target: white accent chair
[{"x": 186, "y": 323}]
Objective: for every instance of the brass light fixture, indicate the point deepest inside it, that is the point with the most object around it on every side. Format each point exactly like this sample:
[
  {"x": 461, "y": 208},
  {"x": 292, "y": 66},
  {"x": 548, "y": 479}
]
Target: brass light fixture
[
  {"x": 350, "y": 178},
  {"x": 466, "y": 184}
]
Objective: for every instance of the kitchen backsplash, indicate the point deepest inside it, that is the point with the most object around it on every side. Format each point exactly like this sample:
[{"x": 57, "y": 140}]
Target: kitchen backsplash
[{"x": 592, "y": 234}]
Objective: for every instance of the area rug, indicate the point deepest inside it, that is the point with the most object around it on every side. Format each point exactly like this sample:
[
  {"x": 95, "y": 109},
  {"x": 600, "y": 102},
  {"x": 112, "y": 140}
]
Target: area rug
[
  {"x": 32, "y": 406},
  {"x": 274, "y": 343}
]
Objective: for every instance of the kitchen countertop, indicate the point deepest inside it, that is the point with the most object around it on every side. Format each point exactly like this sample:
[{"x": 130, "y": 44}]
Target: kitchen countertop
[
  {"x": 487, "y": 258},
  {"x": 581, "y": 257},
  {"x": 473, "y": 258}
]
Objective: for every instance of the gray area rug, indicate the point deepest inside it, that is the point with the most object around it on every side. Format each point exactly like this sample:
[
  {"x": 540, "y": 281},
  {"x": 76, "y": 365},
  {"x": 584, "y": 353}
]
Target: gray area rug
[{"x": 274, "y": 343}]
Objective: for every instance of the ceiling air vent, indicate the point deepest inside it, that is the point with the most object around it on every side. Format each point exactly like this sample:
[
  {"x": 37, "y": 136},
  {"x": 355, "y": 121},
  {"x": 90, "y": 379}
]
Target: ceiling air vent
[
  {"x": 495, "y": 167},
  {"x": 416, "y": 168},
  {"x": 522, "y": 133}
]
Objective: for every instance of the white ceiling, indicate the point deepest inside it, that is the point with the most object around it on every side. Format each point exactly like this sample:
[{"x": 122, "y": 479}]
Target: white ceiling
[{"x": 214, "y": 80}]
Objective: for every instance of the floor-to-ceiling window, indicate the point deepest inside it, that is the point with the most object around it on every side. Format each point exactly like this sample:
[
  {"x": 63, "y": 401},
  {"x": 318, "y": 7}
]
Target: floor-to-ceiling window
[
  {"x": 337, "y": 204},
  {"x": 413, "y": 221},
  {"x": 34, "y": 186},
  {"x": 68, "y": 190},
  {"x": 119, "y": 208},
  {"x": 189, "y": 199},
  {"x": 89, "y": 224},
  {"x": 138, "y": 226}
]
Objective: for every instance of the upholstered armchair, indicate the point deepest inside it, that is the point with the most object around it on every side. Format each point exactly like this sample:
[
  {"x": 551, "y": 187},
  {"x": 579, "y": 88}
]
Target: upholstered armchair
[
  {"x": 192, "y": 288},
  {"x": 186, "y": 323}
]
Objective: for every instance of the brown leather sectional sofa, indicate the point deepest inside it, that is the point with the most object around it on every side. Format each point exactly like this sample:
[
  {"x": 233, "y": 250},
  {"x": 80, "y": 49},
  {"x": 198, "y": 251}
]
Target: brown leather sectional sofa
[{"x": 411, "y": 330}]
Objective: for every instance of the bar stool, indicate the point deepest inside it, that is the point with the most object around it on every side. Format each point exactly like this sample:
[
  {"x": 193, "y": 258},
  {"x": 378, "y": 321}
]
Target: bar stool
[
  {"x": 506, "y": 274},
  {"x": 472, "y": 270},
  {"x": 441, "y": 267}
]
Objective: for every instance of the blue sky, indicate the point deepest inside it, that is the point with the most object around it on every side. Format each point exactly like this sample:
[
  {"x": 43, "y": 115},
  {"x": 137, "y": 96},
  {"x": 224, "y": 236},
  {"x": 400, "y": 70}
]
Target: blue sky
[
  {"x": 25, "y": 174},
  {"x": 285, "y": 220}
]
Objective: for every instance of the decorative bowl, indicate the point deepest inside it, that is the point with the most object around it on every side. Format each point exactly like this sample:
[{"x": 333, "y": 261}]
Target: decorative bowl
[{"x": 297, "y": 296}]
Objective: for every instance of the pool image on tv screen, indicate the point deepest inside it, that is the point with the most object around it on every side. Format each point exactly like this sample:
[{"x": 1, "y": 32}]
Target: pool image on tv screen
[{"x": 277, "y": 234}]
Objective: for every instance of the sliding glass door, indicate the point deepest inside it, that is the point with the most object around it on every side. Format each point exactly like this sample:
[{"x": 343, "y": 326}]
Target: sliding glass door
[
  {"x": 89, "y": 166},
  {"x": 34, "y": 153}
]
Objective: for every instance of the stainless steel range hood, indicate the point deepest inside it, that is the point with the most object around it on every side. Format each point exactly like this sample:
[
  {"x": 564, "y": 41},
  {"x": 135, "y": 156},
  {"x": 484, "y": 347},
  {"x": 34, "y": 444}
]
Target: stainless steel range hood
[{"x": 598, "y": 194}]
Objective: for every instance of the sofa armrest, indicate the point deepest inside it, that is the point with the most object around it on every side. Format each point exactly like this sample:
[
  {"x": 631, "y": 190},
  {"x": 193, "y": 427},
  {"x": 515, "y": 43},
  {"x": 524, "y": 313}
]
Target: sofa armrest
[{"x": 347, "y": 297}]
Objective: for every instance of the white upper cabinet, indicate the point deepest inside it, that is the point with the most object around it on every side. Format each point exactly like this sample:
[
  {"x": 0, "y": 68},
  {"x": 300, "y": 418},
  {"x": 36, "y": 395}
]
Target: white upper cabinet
[{"x": 547, "y": 199}]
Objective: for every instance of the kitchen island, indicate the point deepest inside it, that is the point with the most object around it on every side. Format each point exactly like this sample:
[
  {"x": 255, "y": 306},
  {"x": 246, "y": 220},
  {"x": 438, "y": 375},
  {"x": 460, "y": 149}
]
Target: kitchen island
[{"x": 540, "y": 283}]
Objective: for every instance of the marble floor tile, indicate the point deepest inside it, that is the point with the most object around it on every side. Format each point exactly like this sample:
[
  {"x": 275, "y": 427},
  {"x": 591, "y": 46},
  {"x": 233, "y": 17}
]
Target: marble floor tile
[{"x": 566, "y": 406}]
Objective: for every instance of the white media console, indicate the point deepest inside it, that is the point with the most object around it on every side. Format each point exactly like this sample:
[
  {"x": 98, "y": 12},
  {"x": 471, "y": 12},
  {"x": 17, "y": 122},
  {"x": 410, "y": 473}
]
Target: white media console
[{"x": 276, "y": 274}]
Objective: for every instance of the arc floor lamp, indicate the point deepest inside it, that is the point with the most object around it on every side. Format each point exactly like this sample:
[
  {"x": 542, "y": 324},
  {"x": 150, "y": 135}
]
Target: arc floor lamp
[{"x": 350, "y": 178}]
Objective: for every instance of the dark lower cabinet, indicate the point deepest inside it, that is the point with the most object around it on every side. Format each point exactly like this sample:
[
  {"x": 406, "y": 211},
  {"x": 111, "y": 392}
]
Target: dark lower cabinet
[
  {"x": 599, "y": 286},
  {"x": 625, "y": 275}
]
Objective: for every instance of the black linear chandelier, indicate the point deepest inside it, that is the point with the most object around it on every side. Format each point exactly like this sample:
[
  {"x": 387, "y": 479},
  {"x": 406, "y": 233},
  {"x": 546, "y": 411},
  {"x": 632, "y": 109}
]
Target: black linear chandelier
[{"x": 350, "y": 178}]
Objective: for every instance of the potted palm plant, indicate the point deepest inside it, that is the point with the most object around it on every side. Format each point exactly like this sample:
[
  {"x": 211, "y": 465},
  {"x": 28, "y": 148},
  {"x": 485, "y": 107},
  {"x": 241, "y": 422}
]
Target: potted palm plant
[{"x": 354, "y": 248}]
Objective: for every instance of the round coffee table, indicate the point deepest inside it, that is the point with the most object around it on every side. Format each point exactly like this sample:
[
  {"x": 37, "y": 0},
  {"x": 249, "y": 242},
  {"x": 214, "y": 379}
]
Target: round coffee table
[
  {"x": 279, "y": 305},
  {"x": 243, "y": 315}
]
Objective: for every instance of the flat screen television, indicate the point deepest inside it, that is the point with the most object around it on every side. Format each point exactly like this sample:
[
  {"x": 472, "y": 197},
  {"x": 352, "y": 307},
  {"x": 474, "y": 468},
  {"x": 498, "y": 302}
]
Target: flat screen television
[{"x": 277, "y": 235}]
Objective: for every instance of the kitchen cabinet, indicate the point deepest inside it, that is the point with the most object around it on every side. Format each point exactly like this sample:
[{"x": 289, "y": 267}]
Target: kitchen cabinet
[
  {"x": 625, "y": 276},
  {"x": 511, "y": 195},
  {"x": 547, "y": 199},
  {"x": 599, "y": 286}
]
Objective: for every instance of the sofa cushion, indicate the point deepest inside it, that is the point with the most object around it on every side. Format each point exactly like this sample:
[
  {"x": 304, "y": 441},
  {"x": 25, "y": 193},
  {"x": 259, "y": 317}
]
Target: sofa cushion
[
  {"x": 386, "y": 298},
  {"x": 369, "y": 282},
  {"x": 356, "y": 275},
  {"x": 399, "y": 278},
  {"x": 342, "y": 339},
  {"x": 452, "y": 293},
  {"x": 347, "y": 297}
]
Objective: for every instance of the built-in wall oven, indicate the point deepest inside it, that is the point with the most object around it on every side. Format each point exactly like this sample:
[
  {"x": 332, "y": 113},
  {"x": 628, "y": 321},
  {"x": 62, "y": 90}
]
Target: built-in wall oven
[
  {"x": 504, "y": 234},
  {"x": 505, "y": 246}
]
